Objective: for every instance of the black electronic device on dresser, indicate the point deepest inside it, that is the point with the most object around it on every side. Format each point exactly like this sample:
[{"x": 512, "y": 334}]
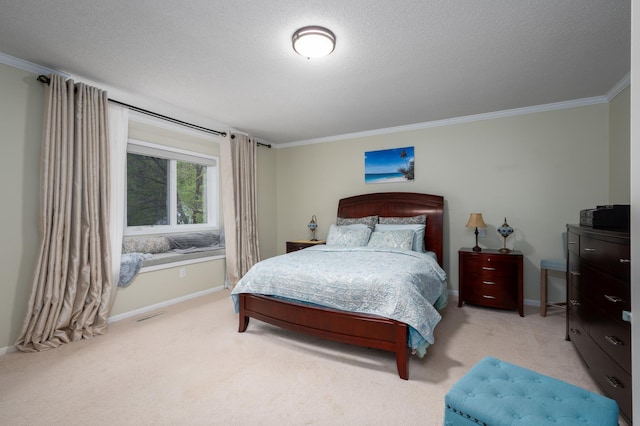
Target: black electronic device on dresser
[
  {"x": 612, "y": 216},
  {"x": 599, "y": 306}
]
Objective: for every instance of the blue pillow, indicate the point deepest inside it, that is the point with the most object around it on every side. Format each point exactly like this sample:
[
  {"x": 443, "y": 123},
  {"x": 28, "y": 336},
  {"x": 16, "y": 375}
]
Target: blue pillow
[
  {"x": 402, "y": 239},
  {"x": 418, "y": 234},
  {"x": 346, "y": 236}
]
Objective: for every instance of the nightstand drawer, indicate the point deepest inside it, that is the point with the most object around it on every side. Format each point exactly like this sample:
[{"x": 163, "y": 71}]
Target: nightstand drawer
[
  {"x": 302, "y": 244},
  {"x": 493, "y": 282},
  {"x": 490, "y": 266},
  {"x": 505, "y": 297}
]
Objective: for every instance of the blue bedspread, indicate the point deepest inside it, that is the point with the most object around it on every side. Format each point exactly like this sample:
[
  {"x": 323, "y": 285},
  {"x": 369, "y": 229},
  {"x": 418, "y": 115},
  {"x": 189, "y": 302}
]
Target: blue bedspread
[{"x": 403, "y": 285}]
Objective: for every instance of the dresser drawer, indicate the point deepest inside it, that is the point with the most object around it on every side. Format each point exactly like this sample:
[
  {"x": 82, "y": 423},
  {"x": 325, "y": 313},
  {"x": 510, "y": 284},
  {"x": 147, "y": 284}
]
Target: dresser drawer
[
  {"x": 573, "y": 242},
  {"x": 612, "y": 379},
  {"x": 580, "y": 338},
  {"x": 613, "y": 257},
  {"x": 610, "y": 295},
  {"x": 577, "y": 306},
  {"x": 614, "y": 337}
]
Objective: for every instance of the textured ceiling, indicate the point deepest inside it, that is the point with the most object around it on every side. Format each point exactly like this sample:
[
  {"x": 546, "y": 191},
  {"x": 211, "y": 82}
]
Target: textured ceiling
[{"x": 396, "y": 63}]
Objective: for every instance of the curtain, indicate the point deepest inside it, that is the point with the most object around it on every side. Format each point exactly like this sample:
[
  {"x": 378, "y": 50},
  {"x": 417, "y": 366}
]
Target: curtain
[
  {"x": 118, "y": 136},
  {"x": 239, "y": 203},
  {"x": 71, "y": 289}
]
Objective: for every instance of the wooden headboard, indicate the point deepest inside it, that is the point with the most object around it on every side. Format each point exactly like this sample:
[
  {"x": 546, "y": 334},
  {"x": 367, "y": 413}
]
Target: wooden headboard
[{"x": 400, "y": 204}]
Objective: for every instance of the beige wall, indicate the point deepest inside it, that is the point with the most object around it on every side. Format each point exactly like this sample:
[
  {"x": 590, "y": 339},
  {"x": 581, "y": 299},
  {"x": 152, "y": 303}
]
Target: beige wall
[
  {"x": 539, "y": 170},
  {"x": 156, "y": 287},
  {"x": 619, "y": 148},
  {"x": 21, "y": 99}
]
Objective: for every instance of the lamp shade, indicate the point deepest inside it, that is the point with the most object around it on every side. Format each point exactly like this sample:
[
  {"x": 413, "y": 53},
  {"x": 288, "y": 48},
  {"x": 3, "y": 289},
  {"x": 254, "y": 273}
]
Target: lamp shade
[
  {"x": 313, "y": 42},
  {"x": 476, "y": 221}
]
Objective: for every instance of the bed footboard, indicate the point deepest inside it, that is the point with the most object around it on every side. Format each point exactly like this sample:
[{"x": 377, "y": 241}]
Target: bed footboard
[{"x": 346, "y": 327}]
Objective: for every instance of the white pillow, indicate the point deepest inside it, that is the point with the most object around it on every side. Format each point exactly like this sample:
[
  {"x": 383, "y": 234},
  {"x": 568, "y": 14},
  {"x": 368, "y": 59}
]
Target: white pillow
[
  {"x": 346, "y": 236},
  {"x": 418, "y": 234},
  {"x": 355, "y": 226},
  {"x": 402, "y": 239}
]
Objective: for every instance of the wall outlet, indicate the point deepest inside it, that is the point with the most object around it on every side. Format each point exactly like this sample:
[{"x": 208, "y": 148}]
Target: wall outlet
[{"x": 183, "y": 272}]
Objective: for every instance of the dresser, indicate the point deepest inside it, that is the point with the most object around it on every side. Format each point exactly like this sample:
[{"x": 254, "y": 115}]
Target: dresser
[
  {"x": 301, "y": 244},
  {"x": 490, "y": 278},
  {"x": 598, "y": 300}
]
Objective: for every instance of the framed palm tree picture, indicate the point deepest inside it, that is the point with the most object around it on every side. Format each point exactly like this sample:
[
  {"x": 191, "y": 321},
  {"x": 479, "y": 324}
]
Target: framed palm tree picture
[{"x": 389, "y": 165}]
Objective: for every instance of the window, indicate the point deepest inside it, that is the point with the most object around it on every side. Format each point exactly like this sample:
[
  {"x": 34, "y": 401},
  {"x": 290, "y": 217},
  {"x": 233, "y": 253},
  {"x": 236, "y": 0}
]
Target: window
[{"x": 170, "y": 190}]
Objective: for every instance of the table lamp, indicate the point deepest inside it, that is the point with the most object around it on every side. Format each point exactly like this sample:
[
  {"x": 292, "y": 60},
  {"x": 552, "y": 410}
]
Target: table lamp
[{"x": 476, "y": 221}]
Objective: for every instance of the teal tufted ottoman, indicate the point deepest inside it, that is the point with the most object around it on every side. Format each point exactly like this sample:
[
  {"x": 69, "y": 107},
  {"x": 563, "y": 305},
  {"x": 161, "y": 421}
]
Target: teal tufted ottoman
[{"x": 497, "y": 393}]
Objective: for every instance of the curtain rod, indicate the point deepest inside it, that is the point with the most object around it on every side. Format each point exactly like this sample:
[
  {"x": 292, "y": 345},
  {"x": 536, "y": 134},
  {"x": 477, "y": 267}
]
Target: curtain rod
[
  {"x": 44, "y": 79},
  {"x": 268, "y": 145}
]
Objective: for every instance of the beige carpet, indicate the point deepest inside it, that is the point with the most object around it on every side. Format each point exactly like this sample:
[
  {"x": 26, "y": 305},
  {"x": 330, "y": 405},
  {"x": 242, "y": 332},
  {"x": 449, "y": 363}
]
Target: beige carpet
[{"x": 190, "y": 366}]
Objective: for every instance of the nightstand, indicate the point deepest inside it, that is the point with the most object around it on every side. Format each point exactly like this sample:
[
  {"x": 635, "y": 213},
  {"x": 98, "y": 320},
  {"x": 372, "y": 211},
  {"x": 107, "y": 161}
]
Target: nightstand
[
  {"x": 490, "y": 278},
  {"x": 302, "y": 244}
]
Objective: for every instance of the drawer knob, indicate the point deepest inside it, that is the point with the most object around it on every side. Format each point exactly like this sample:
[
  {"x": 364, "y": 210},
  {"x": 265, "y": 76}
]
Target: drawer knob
[
  {"x": 575, "y": 273},
  {"x": 614, "y": 340},
  {"x": 575, "y": 331},
  {"x": 486, "y": 268},
  {"x": 574, "y": 302},
  {"x": 488, "y": 282},
  {"x": 589, "y": 249},
  {"x": 613, "y": 381},
  {"x": 488, "y": 297},
  {"x": 613, "y": 299},
  {"x": 625, "y": 260},
  {"x": 572, "y": 242}
]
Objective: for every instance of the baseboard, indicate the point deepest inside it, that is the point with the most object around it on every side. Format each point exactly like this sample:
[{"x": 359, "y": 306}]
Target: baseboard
[
  {"x": 7, "y": 350},
  {"x": 164, "y": 304},
  {"x": 528, "y": 302},
  {"x": 12, "y": 348}
]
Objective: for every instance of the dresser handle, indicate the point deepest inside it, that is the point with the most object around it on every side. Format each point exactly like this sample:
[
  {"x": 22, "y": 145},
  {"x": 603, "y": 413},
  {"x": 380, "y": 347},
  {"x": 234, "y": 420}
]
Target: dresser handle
[
  {"x": 589, "y": 249},
  {"x": 575, "y": 273},
  {"x": 625, "y": 260},
  {"x": 488, "y": 297},
  {"x": 614, "y": 299},
  {"x": 614, "y": 340},
  {"x": 575, "y": 331},
  {"x": 488, "y": 282},
  {"x": 572, "y": 242},
  {"x": 614, "y": 382},
  {"x": 486, "y": 268},
  {"x": 574, "y": 302}
]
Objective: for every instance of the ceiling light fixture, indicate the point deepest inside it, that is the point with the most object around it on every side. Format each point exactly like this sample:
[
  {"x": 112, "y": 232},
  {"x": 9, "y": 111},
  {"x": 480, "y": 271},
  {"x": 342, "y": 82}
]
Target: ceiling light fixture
[{"x": 313, "y": 42}]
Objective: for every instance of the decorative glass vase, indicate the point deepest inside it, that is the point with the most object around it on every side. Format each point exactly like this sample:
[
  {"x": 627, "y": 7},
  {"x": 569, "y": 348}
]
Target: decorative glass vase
[
  {"x": 313, "y": 225},
  {"x": 505, "y": 230}
]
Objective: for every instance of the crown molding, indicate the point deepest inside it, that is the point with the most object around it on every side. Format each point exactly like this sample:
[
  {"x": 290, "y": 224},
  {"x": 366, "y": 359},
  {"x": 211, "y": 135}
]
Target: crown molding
[
  {"x": 619, "y": 87},
  {"x": 451, "y": 121},
  {"x": 29, "y": 66}
]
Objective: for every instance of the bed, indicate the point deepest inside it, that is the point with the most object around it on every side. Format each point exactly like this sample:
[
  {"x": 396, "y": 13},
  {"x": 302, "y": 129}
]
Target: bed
[{"x": 361, "y": 329}]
